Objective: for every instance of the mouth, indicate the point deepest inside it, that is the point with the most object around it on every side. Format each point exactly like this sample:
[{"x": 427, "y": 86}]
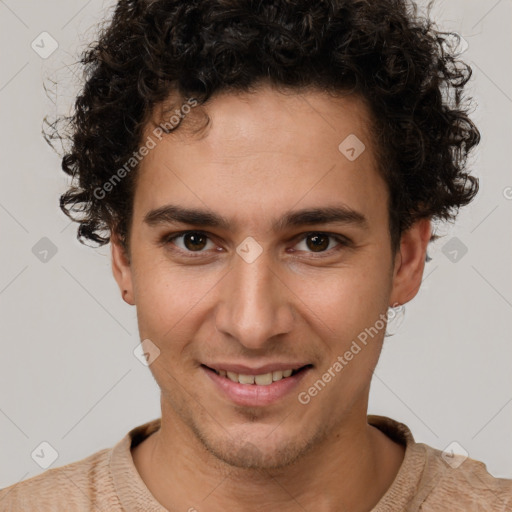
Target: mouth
[
  {"x": 262, "y": 379},
  {"x": 256, "y": 388}
]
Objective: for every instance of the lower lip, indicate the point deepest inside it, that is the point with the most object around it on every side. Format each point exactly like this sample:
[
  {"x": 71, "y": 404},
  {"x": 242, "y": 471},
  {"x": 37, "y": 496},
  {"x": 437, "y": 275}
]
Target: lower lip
[{"x": 253, "y": 395}]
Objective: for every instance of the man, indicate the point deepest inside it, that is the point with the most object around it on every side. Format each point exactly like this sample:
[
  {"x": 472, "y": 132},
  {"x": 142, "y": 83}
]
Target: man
[{"x": 267, "y": 173}]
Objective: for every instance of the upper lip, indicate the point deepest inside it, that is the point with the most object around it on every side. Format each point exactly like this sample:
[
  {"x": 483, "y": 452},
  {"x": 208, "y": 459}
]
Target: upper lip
[{"x": 247, "y": 370}]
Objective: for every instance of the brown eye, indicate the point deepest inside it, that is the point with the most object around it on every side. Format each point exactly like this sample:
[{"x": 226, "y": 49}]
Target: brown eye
[
  {"x": 194, "y": 241},
  {"x": 317, "y": 242},
  {"x": 190, "y": 241}
]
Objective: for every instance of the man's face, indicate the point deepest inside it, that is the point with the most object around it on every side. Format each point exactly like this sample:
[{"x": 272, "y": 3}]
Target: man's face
[{"x": 292, "y": 296}]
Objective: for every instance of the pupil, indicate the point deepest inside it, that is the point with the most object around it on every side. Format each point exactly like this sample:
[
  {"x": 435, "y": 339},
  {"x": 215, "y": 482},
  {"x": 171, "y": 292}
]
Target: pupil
[
  {"x": 316, "y": 244},
  {"x": 194, "y": 238}
]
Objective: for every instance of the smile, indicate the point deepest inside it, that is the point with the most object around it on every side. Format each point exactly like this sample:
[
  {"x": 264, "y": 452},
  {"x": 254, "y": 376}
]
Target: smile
[
  {"x": 264, "y": 379},
  {"x": 256, "y": 389}
]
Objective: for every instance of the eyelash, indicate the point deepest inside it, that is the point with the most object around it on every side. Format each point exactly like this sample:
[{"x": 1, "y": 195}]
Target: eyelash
[{"x": 343, "y": 242}]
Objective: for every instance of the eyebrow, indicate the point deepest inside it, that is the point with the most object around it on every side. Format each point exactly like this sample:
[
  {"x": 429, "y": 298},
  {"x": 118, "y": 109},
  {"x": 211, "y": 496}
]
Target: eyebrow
[{"x": 172, "y": 214}]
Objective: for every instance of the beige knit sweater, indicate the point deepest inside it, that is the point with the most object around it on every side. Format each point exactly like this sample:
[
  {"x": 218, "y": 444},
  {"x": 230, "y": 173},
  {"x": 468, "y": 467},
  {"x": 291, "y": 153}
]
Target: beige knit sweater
[{"x": 108, "y": 481}]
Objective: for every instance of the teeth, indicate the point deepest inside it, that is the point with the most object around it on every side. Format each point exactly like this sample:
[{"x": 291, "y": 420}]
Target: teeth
[
  {"x": 263, "y": 379},
  {"x": 277, "y": 375},
  {"x": 232, "y": 376},
  {"x": 246, "y": 379}
]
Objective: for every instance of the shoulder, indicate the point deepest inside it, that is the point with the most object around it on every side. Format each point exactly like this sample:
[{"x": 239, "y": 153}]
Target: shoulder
[
  {"x": 82, "y": 485},
  {"x": 91, "y": 484},
  {"x": 458, "y": 483},
  {"x": 431, "y": 480}
]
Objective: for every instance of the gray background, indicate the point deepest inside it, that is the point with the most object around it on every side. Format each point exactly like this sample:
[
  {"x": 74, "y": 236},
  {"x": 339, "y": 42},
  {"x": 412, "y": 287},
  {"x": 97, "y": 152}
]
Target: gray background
[{"x": 68, "y": 375}]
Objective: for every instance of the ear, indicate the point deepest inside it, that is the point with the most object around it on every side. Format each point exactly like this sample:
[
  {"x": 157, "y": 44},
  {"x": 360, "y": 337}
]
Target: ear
[
  {"x": 122, "y": 270},
  {"x": 410, "y": 262}
]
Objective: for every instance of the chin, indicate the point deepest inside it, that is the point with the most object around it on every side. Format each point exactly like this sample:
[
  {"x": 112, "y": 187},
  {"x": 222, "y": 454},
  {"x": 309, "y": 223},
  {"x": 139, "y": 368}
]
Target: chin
[
  {"x": 246, "y": 455},
  {"x": 252, "y": 450}
]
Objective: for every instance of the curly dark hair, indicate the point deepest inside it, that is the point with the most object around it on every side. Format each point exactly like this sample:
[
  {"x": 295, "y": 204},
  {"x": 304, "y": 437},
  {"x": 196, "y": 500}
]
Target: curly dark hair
[{"x": 406, "y": 70}]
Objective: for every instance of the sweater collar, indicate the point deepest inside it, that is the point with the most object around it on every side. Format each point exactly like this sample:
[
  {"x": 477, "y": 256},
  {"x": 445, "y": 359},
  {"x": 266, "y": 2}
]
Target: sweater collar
[{"x": 134, "y": 496}]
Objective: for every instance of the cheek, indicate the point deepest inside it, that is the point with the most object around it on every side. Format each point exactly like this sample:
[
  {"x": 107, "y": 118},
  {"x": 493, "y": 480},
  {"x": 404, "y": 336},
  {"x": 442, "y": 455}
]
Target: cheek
[
  {"x": 346, "y": 311},
  {"x": 345, "y": 300},
  {"x": 168, "y": 298}
]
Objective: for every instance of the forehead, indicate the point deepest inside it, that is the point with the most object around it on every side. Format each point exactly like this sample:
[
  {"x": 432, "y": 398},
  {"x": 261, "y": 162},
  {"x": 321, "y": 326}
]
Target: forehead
[
  {"x": 244, "y": 123},
  {"x": 263, "y": 151}
]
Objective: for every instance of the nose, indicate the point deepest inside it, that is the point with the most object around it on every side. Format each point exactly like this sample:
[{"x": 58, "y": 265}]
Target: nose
[{"x": 254, "y": 305}]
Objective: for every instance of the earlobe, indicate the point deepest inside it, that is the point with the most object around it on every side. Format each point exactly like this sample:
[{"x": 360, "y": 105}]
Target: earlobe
[
  {"x": 122, "y": 270},
  {"x": 410, "y": 262}
]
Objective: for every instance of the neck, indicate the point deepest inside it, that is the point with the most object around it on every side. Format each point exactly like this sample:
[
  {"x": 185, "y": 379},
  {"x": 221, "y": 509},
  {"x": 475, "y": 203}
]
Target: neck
[{"x": 350, "y": 469}]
